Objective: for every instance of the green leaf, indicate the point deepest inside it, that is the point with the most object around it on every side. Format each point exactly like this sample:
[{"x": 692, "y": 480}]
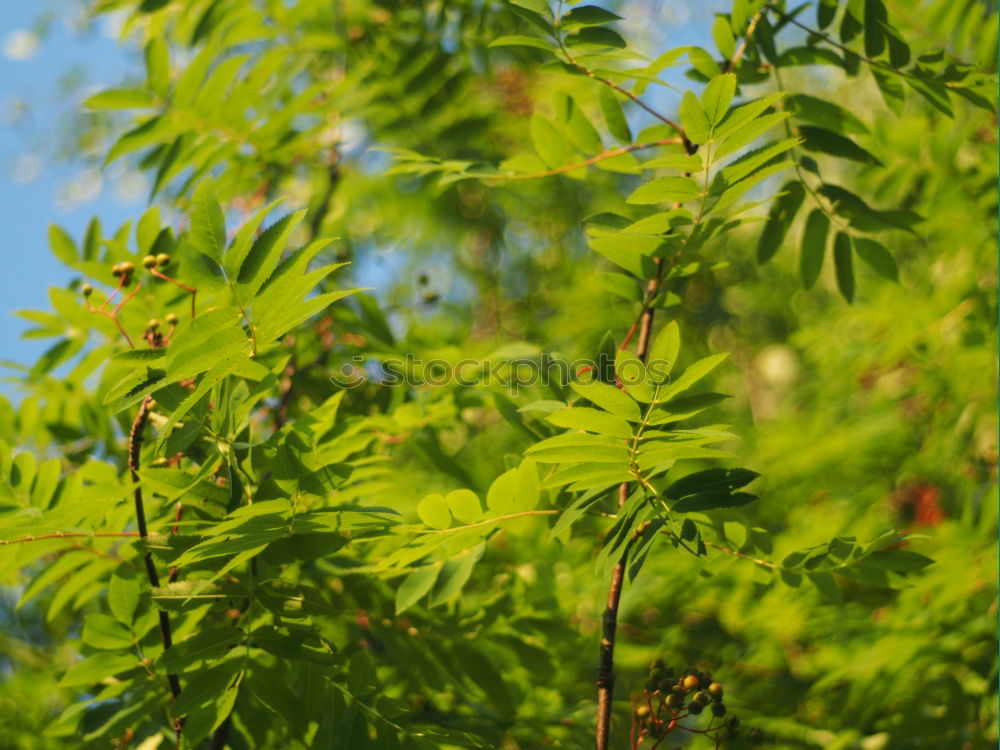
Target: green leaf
[
  {"x": 98, "y": 667},
  {"x": 208, "y": 224},
  {"x": 597, "y": 36},
  {"x": 433, "y": 511},
  {"x": 779, "y": 219},
  {"x": 211, "y": 685},
  {"x": 123, "y": 594},
  {"x": 120, "y": 99},
  {"x": 825, "y": 12},
  {"x": 464, "y": 505},
  {"x": 703, "y": 62},
  {"x": 748, "y": 133},
  {"x": 826, "y": 584},
  {"x": 740, "y": 117},
  {"x": 664, "y": 351},
  {"x": 592, "y": 420},
  {"x": 903, "y": 560},
  {"x": 519, "y": 40},
  {"x": 732, "y": 194},
  {"x": 722, "y": 34},
  {"x": 415, "y": 586},
  {"x": 579, "y": 129},
  {"x": 712, "y": 501},
  {"x": 828, "y": 142},
  {"x": 454, "y": 574},
  {"x": 104, "y": 632},
  {"x": 673, "y": 189},
  {"x": 843, "y": 265},
  {"x": 717, "y": 97},
  {"x": 609, "y": 398},
  {"x": 813, "y": 247},
  {"x": 535, "y": 6},
  {"x": 549, "y": 144},
  {"x": 619, "y": 285},
  {"x": 875, "y": 18},
  {"x": 62, "y": 244},
  {"x": 579, "y": 448},
  {"x": 891, "y": 87},
  {"x": 692, "y": 375},
  {"x": 710, "y": 480},
  {"x": 614, "y": 116},
  {"x": 754, "y": 160},
  {"x": 694, "y": 120},
  {"x": 157, "y": 56},
  {"x": 200, "y": 649},
  {"x": 877, "y": 257},
  {"x": 826, "y": 113},
  {"x": 265, "y": 253},
  {"x": 589, "y": 15},
  {"x": 683, "y": 162}
]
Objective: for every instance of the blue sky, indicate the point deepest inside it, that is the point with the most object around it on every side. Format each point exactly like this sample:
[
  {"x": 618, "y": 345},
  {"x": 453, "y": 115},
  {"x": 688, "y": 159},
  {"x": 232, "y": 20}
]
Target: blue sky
[{"x": 38, "y": 189}]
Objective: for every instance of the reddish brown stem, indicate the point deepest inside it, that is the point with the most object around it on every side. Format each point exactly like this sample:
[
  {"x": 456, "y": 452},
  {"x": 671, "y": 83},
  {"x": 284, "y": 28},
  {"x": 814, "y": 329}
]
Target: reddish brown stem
[
  {"x": 606, "y": 664},
  {"x": 609, "y": 154},
  {"x": 178, "y": 284},
  {"x": 67, "y": 535}
]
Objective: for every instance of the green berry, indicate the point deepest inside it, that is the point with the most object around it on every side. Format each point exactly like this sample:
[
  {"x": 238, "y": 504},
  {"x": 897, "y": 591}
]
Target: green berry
[
  {"x": 701, "y": 698},
  {"x": 86, "y": 290},
  {"x": 171, "y": 319},
  {"x": 665, "y": 685},
  {"x": 163, "y": 259},
  {"x": 696, "y": 708},
  {"x": 149, "y": 261},
  {"x": 691, "y": 682},
  {"x": 128, "y": 267},
  {"x": 116, "y": 270},
  {"x": 642, "y": 712},
  {"x": 718, "y": 709},
  {"x": 715, "y": 689},
  {"x": 675, "y": 701},
  {"x": 153, "y": 324}
]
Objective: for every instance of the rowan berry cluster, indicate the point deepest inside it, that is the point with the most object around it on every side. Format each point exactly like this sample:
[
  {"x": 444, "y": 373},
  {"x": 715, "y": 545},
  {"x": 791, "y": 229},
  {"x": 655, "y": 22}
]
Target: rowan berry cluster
[
  {"x": 124, "y": 272},
  {"x": 668, "y": 698}
]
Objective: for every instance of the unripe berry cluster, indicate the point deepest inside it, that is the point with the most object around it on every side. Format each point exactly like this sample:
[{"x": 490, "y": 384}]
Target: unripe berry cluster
[
  {"x": 669, "y": 697},
  {"x": 156, "y": 261}
]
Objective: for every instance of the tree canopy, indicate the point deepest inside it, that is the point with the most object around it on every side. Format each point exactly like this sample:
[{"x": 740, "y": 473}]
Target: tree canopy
[{"x": 468, "y": 382}]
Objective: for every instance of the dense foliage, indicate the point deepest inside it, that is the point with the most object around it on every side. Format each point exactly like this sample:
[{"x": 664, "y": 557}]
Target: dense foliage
[{"x": 399, "y": 414}]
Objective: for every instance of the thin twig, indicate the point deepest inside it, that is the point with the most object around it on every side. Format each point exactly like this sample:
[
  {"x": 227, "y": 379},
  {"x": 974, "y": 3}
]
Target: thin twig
[
  {"x": 867, "y": 60},
  {"x": 609, "y": 154},
  {"x": 734, "y": 61},
  {"x": 67, "y": 535}
]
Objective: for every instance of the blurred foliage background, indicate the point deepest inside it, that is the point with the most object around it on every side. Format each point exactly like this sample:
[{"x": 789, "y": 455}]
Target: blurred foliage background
[{"x": 860, "y": 417}]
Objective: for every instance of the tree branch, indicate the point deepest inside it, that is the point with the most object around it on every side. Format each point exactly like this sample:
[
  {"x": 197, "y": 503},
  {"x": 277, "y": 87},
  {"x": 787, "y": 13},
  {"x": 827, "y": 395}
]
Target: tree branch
[
  {"x": 609, "y": 154},
  {"x": 134, "y": 451},
  {"x": 606, "y": 664},
  {"x": 67, "y": 535}
]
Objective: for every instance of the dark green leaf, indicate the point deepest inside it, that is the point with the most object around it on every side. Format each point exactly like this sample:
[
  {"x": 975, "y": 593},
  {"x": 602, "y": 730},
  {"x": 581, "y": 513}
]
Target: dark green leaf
[
  {"x": 843, "y": 265},
  {"x": 828, "y": 142},
  {"x": 614, "y": 117},
  {"x": 779, "y": 219},
  {"x": 813, "y": 247},
  {"x": 875, "y": 255}
]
